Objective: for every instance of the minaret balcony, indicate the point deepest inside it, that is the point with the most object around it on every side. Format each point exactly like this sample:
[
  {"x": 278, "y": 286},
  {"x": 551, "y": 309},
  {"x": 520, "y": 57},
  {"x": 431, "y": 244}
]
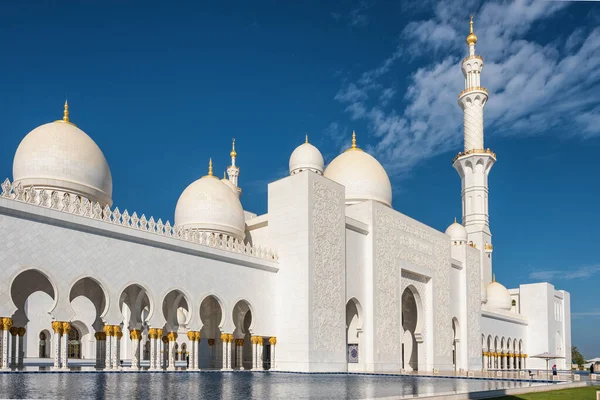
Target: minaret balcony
[
  {"x": 472, "y": 57},
  {"x": 473, "y": 89},
  {"x": 474, "y": 151}
]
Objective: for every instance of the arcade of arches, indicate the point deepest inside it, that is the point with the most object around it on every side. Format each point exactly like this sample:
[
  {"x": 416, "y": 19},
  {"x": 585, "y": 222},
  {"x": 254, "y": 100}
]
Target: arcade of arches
[{"x": 31, "y": 333}]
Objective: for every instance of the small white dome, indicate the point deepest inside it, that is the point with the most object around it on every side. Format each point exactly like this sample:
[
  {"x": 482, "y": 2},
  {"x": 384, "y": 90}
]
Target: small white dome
[
  {"x": 181, "y": 316},
  {"x": 60, "y": 156},
  {"x": 457, "y": 232},
  {"x": 362, "y": 175},
  {"x": 210, "y": 205},
  {"x": 498, "y": 296},
  {"x": 306, "y": 157}
]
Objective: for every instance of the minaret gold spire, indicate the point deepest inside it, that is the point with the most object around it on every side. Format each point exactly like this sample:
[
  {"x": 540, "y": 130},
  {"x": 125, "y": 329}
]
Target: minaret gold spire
[
  {"x": 471, "y": 39},
  {"x": 210, "y": 169},
  {"x": 66, "y": 112},
  {"x": 233, "y": 152}
]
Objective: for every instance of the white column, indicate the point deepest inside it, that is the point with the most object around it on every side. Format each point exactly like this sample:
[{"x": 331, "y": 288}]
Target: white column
[
  {"x": 57, "y": 328},
  {"x": 64, "y": 350},
  {"x": 135, "y": 335},
  {"x": 224, "y": 340},
  {"x": 114, "y": 351},
  {"x": 152, "y": 336},
  {"x": 485, "y": 361},
  {"x": 172, "y": 336},
  {"x": 273, "y": 342},
  {"x": 239, "y": 352},
  {"x": 260, "y": 347},
  {"x": 108, "y": 330},
  {"x": 20, "y": 352},
  {"x": 197, "y": 352},
  {"x": 511, "y": 361},
  {"x": 191, "y": 337},
  {"x": 13, "y": 346},
  {"x": 118, "y": 337},
  {"x": 5, "y": 325},
  {"x": 254, "y": 341}
]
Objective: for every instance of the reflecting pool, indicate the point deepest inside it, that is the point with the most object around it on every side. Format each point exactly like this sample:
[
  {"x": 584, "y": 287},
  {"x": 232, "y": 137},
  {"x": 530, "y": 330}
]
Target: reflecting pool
[{"x": 233, "y": 385}]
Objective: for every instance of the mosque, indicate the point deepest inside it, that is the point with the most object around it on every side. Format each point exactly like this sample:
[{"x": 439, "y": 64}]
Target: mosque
[{"x": 332, "y": 278}]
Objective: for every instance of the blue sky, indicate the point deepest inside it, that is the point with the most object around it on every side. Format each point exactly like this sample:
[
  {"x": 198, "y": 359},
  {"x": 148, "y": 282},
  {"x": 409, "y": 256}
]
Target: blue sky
[{"x": 161, "y": 88}]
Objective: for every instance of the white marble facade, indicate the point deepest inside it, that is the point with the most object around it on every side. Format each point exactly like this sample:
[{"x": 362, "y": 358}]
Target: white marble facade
[{"x": 332, "y": 278}]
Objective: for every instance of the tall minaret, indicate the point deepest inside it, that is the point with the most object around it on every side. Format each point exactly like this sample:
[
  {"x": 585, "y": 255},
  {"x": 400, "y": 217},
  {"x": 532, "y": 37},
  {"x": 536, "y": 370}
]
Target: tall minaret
[
  {"x": 474, "y": 164},
  {"x": 233, "y": 170}
]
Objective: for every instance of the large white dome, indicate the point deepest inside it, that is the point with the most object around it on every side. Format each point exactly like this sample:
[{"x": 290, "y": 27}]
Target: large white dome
[
  {"x": 306, "y": 157},
  {"x": 210, "y": 205},
  {"x": 498, "y": 296},
  {"x": 362, "y": 175},
  {"x": 60, "y": 156}
]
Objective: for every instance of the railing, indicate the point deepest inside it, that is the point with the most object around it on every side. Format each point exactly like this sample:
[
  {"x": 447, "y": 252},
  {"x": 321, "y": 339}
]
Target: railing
[
  {"x": 474, "y": 151},
  {"x": 474, "y": 89},
  {"x": 72, "y": 204}
]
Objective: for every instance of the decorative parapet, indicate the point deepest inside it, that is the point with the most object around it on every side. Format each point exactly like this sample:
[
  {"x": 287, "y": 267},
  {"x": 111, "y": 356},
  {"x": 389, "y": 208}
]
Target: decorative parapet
[
  {"x": 474, "y": 151},
  {"x": 472, "y": 57},
  {"x": 76, "y": 205},
  {"x": 473, "y": 89}
]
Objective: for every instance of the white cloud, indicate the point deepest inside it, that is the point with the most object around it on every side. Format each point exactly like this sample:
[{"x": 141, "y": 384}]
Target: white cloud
[
  {"x": 584, "y": 272},
  {"x": 534, "y": 88}
]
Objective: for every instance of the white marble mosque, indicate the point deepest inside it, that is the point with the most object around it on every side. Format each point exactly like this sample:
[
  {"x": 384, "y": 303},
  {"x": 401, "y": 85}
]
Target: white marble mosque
[{"x": 331, "y": 278}]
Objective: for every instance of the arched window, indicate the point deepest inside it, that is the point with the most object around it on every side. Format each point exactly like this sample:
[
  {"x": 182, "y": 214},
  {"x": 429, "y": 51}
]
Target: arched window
[{"x": 514, "y": 303}]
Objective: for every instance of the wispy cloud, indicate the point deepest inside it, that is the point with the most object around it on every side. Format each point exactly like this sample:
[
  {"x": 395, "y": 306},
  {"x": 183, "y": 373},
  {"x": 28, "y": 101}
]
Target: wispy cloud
[
  {"x": 583, "y": 272},
  {"x": 357, "y": 17},
  {"x": 534, "y": 88}
]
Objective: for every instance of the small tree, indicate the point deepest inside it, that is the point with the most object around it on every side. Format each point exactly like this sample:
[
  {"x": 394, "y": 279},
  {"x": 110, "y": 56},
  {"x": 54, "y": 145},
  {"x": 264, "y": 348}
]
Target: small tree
[{"x": 576, "y": 356}]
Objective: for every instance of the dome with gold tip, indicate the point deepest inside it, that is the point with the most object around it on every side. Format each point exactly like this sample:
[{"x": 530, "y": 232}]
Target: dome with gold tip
[
  {"x": 60, "y": 156},
  {"x": 210, "y": 205},
  {"x": 306, "y": 157},
  {"x": 362, "y": 175}
]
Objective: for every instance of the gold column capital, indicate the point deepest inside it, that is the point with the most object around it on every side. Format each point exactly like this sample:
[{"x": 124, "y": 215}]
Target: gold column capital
[
  {"x": 172, "y": 336},
  {"x": 260, "y": 340},
  {"x": 239, "y": 342},
  {"x": 57, "y": 326},
  {"x": 100, "y": 336},
  {"x": 21, "y": 331},
  {"x": 152, "y": 333},
  {"x": 191, "y": 335},
  {"x": 135, "y": 334},
  {"x": 5, "y": 323},
  {"x": 108, "y": 330},
  {"x": 66, "y": 327},
  {"x": 159, "y": 333},
  {"x": 211, "y": 342},
  {"x": 165, "y": 339},
  {"x": 224, "y": 337},
  {"x": 273, "y": 340},
  {"x": 197, "y": 338},
  {"x": 13, "y": 330}
]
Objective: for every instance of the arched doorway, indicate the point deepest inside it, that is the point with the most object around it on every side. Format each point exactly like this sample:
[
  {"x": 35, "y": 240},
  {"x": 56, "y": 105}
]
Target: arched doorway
[
  {"x": 412, "y": 326},
  {"x": 44, "y": 344},
  {"x": 88, "y": 301},
  {"x": 210, "y": 351},
  {"x": 242, "y": 319},
  {"x": 34, "y": 295},
  {"x": 354, "y": 335},
  {"x": 74, "y": 349},
  {"x": 455, "y": 345}
]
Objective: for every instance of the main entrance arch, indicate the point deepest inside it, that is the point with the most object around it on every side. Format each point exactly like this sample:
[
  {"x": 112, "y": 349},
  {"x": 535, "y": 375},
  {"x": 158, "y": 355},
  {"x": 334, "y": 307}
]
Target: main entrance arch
[{"x": 412, "y": 325}]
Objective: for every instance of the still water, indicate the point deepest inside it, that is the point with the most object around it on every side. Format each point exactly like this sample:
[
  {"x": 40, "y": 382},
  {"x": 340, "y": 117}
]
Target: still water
[{"x": 233, "y": 385}]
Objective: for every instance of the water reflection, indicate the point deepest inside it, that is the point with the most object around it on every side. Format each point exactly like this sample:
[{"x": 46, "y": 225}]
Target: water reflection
[{"x": 224, "y": 386}]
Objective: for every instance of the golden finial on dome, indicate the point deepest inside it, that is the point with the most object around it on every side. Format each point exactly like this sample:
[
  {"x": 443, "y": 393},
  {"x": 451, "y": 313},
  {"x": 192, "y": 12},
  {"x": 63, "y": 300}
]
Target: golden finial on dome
[
  {"x": 233, "y": 153},
  {"x": 494, "y": 278},
  {"x": 224, "y": 175},
  {"x": 210, "y": 171},
  {"x": 354, "y": 146},
  {"x": 66, "y": 112},
  {"x": 454, "y": 219},
  {"x": 306, "y": 138},
  {"x": 471, "y": 39}
]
